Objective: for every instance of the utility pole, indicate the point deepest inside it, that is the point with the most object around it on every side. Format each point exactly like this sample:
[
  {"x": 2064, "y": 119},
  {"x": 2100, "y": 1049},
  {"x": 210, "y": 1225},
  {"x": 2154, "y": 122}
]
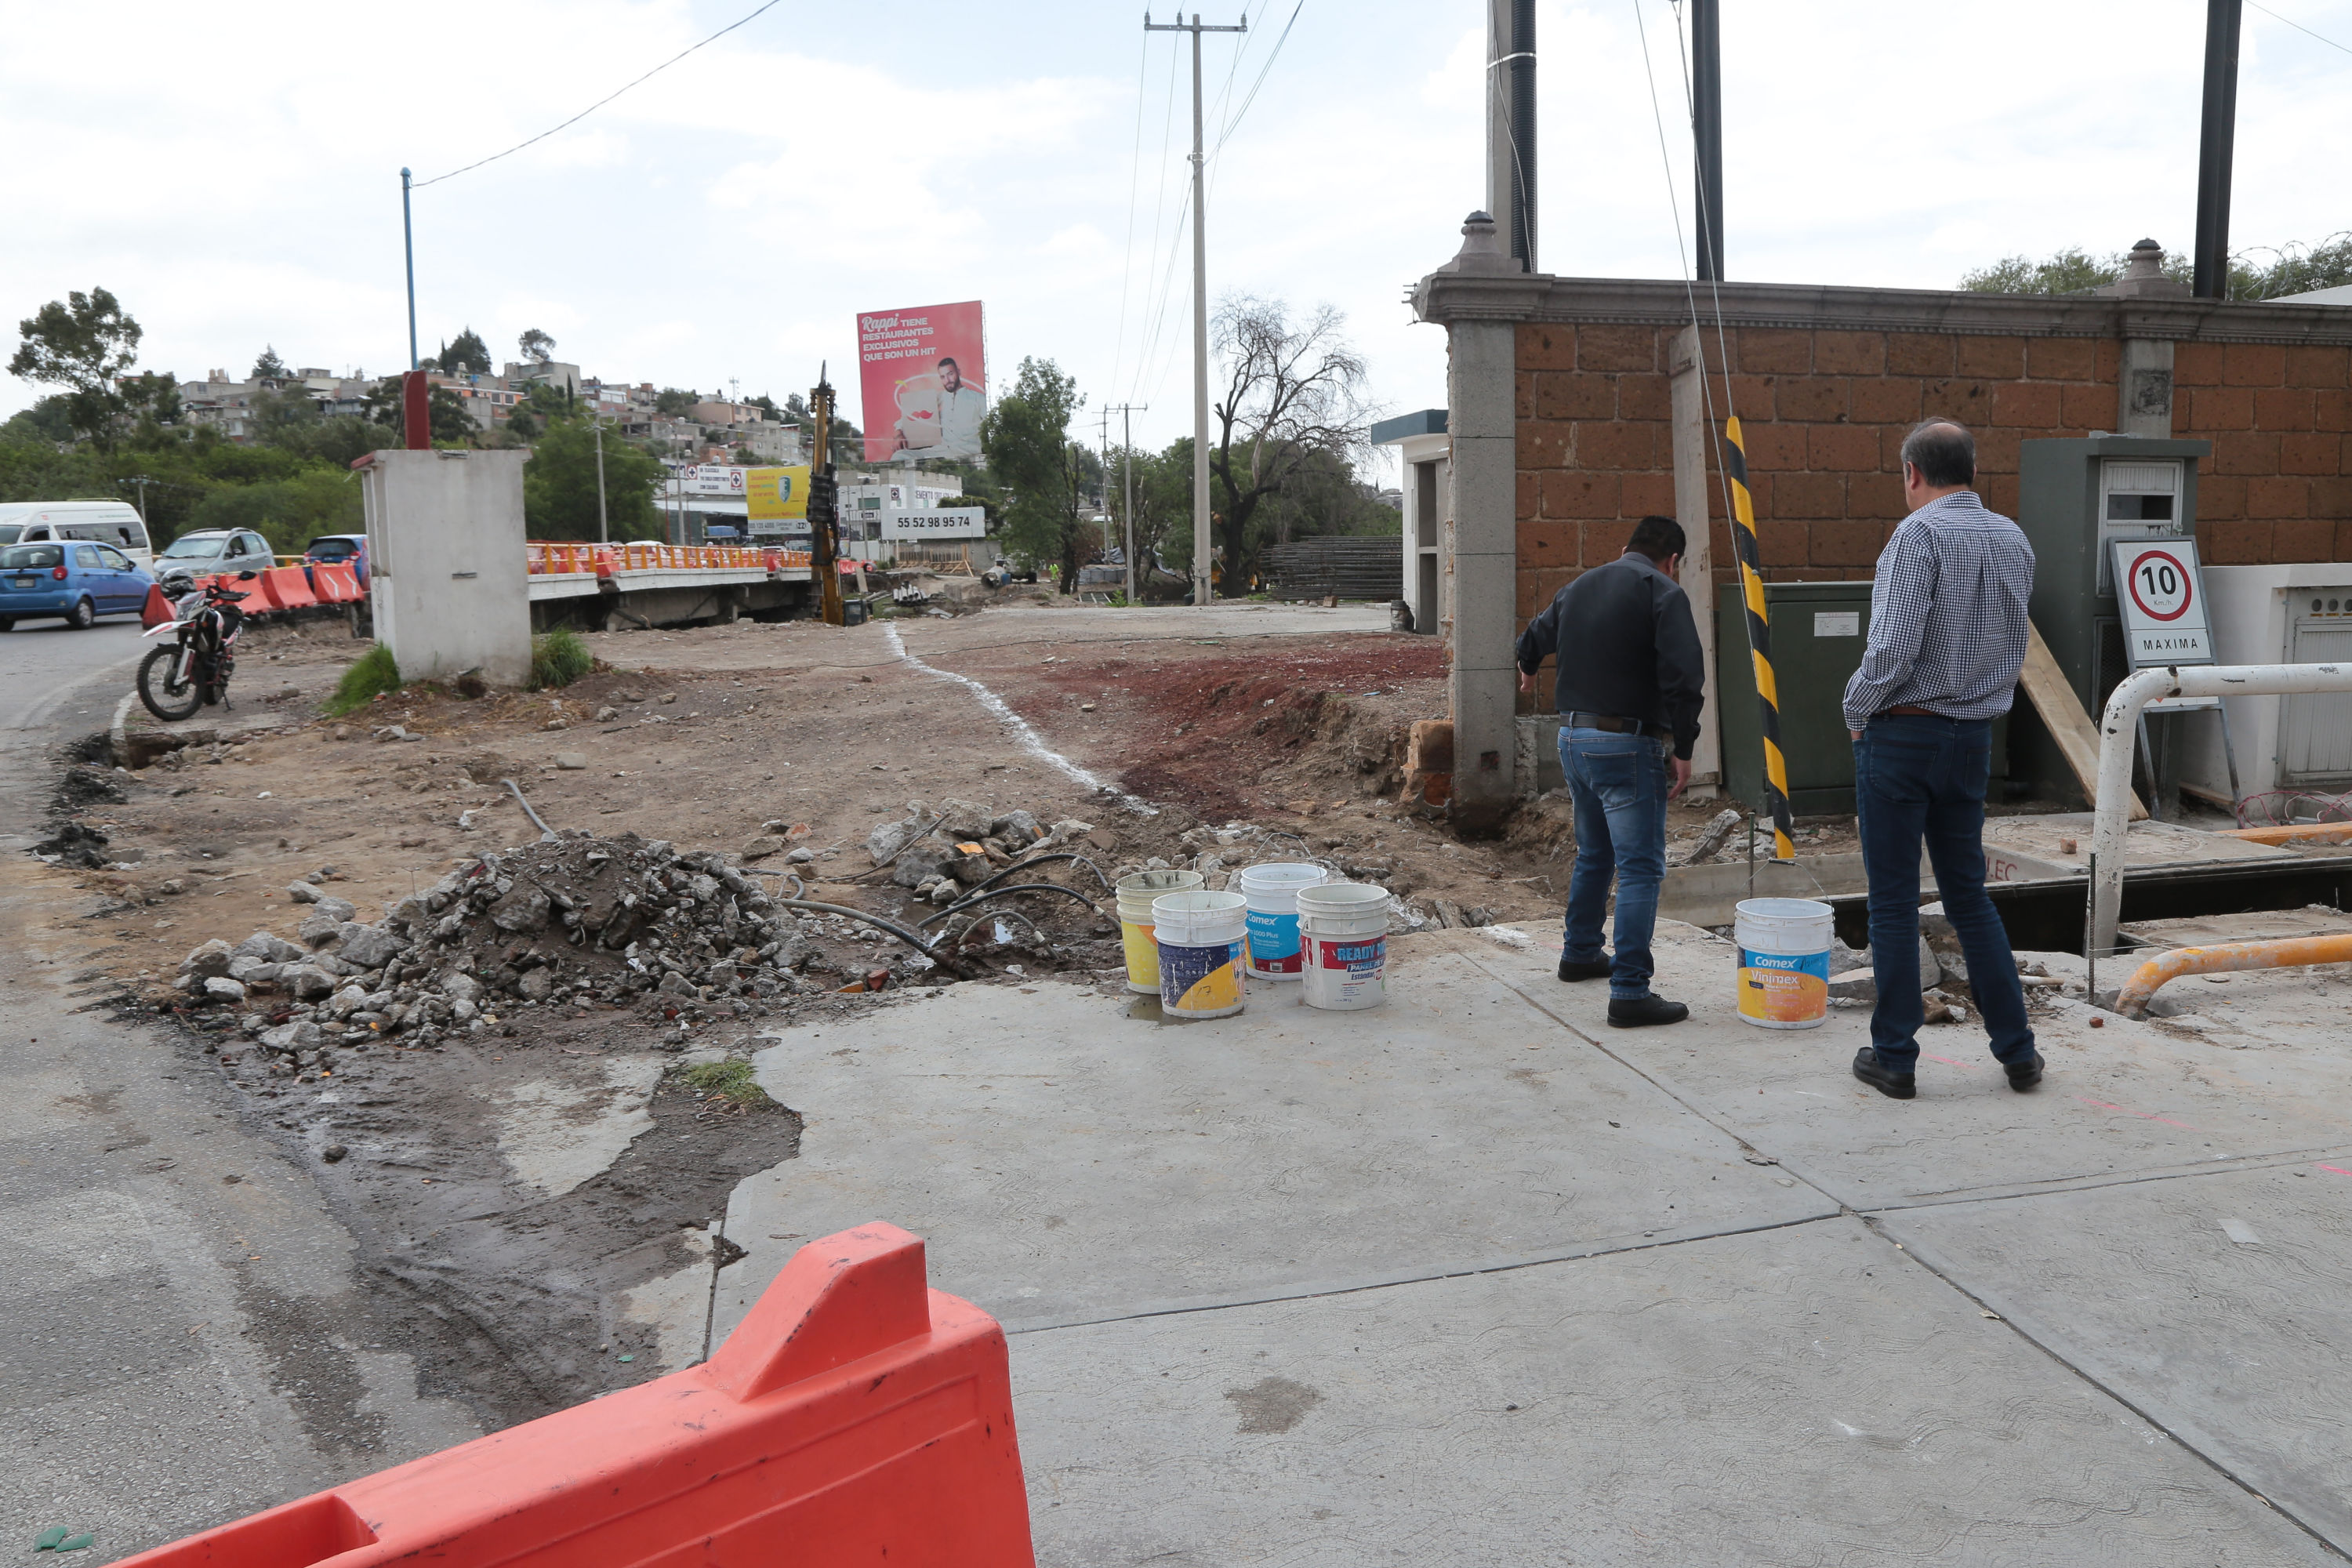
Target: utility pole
[
  {"x": 408, "y": 248},
  {"x": 1200, "y": 306},
  {"x": 2216, "y": 148},
  {"x": 1511, "y": 125},
  {"x": 1707, "y": 133},
  {"x": 604, "y": 528},
  {"x": 1126, "y": 412},
  {"x": 142, "y": 481}
]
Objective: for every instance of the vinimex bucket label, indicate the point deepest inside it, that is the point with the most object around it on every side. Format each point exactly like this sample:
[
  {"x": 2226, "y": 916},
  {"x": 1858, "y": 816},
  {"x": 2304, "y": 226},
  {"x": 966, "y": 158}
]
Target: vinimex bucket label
[
  {"x": 1788, "y": 989},
  {"x": 1202, "y": 982}
]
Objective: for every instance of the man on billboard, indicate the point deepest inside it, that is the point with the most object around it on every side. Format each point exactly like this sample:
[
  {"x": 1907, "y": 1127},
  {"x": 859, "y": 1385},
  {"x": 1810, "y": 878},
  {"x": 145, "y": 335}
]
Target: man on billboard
[{"x": 961, "y": 409}]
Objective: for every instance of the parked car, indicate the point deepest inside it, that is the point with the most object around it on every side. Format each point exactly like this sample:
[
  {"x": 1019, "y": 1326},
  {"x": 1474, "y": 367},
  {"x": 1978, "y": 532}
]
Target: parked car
[
  {"x": 98, "y": 522},
  {"x": 340, "y": 550},
  {"x": 207, "y": 551},
  {"x": 69, "y": 579}
]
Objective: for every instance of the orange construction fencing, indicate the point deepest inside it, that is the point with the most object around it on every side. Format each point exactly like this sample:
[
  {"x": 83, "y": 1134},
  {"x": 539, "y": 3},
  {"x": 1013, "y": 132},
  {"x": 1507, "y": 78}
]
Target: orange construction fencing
[
  {"x": 856, "y": 1416},
  {"x": 287, "y": 588},
  {"x": 335, "y": 584}
]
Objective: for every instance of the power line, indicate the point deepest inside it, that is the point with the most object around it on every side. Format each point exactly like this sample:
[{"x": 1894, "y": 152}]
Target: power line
[
  {"x": 2298, "y": 26},
  {"x": 599, "y": 103}
]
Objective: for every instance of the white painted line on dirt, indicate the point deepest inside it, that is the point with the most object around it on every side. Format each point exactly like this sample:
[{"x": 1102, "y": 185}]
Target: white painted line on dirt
[{"x": 1025, "y": 734}]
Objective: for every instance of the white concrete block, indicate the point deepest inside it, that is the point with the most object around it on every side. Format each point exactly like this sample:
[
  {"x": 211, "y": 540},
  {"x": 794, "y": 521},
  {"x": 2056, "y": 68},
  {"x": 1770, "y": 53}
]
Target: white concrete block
[{"x": 447, "y": 577}]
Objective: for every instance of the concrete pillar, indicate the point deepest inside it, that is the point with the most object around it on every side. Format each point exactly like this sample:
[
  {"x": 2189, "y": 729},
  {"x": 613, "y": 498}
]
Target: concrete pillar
[
  {"x": 1479, "y": 567},
  {"x": 1685, "y": 363},
  {"x": 2144, "y": 389},
  {"x": 448, "y": 582}
]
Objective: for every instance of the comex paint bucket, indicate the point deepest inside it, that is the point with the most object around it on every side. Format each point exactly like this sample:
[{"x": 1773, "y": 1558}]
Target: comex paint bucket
[
  {"x": 1272, "y": 895},
  {"x": 1343, "y": 944},
  {"x": 1203, "y": 942},
  {"x": 1784, "y": 962},
  {"x": 1134, "y": 895}
]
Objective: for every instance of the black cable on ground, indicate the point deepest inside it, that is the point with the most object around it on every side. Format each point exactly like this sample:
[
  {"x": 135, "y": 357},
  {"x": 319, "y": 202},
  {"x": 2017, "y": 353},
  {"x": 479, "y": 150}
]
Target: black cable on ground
[
  {"x": 1041, "y": 859},
  {"x": 915, "y": 940},
  {"x": 1016, "y": 888}
]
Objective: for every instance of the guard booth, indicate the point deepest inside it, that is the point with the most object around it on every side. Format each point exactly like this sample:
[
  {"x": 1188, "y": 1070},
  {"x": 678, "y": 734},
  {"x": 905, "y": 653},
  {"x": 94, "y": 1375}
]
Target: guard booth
[{"x": 2077, "y": 499}]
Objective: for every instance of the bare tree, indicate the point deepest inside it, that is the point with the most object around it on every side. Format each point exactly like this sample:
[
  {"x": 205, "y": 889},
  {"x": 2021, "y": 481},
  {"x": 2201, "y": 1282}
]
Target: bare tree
[{"x": 1291, "y": 391}]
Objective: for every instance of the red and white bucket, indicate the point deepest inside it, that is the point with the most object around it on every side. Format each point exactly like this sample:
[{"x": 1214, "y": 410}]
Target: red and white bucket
[{"x": 1343, "y": 946}]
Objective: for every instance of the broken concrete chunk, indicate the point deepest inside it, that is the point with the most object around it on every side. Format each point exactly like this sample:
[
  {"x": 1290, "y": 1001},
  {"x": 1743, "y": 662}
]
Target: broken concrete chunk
[
  {"x": 303, "y": 892},
  {"x": 220, "y": 988},
  {"x": 252, "y": 970},
  {"x": 461, "y": 987},
  {"x": 571, "y": 761},
  {"x": 369, "y": 947},
  {"x": 891, "y": 837},
  {"x": 307, "y": 981},
  {"x": 964, "y": 819},
  {"x": 920, "y": 863},
  {"x": 536, "y": 985},
  {"x": 607, "y": 713},
  {"x": 677, "y": 984},
  {"x": 208, "y": 962},
  {"x": 269, "y": 948},
  {"x": 298, "y": 1035},
  {"x": 522, "y": 910}
]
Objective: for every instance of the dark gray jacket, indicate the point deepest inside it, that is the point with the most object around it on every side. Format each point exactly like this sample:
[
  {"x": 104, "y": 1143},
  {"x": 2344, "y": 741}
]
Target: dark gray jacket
[{"x": 1626, "y": 648}]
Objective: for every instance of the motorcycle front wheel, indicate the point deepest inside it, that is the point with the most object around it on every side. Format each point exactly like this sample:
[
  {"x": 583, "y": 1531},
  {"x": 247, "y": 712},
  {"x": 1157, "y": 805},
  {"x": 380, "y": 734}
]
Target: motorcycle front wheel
[{"x": 168, "y": 700}]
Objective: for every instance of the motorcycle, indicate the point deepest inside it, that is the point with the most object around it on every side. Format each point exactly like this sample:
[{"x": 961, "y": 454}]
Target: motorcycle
[{"x": 193, "y": 672}]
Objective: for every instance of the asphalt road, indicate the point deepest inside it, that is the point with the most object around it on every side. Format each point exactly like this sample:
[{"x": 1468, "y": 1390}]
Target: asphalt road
[{"x": 181, "y": 1339}]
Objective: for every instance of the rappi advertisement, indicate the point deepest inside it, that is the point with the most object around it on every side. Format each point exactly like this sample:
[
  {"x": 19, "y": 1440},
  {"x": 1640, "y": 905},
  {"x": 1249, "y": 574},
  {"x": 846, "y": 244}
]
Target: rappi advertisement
[{"x": 923, "y": 381}]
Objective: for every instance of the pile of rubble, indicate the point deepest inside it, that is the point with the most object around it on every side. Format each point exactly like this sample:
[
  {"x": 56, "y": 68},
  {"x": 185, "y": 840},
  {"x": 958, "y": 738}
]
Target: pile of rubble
[
  {"x": 575, "y": 922},
  {"x": 940, "y": 853}
]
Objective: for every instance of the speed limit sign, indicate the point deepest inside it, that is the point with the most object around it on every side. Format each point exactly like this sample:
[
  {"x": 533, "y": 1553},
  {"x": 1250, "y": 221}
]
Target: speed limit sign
[{"x": 2163, "y": 602}]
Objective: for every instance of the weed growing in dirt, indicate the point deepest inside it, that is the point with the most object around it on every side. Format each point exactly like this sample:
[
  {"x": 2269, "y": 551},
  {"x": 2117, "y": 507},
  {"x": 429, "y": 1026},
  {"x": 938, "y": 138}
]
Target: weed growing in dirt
[
  {"x": 372, "y": 675},
  {"x": 731, "y": 1081},
  {"x": 558, "y": 658}
]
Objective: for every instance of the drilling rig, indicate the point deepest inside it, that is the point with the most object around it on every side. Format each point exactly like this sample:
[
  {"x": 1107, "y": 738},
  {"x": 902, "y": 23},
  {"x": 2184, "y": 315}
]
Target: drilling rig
[{"x": 824, "y": 502}]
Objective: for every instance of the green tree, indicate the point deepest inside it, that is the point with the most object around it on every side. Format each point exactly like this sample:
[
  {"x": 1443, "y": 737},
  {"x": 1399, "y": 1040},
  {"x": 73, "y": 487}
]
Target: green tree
[
  {"x": 48, "y": 419},
  {"x": 451, "y": 427},
  {"x": 2295, "y": 268},
  {"x": 465, "y": 352},
  {"x": 1026, "y": 439},
  {"x": 83, "y": 343},
  {"x": 1294, "y": 395},
  {"x": 289, "y": 513},
  {"x": 536, "y": 346},
  {"x": 674, "y": 401},
  {"x": 270, "y": 367},
  {"x": 559, "y": 485}
]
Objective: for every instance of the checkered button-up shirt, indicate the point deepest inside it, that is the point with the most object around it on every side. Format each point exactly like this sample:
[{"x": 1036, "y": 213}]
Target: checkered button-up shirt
[{"x": 1948, "y": 618}]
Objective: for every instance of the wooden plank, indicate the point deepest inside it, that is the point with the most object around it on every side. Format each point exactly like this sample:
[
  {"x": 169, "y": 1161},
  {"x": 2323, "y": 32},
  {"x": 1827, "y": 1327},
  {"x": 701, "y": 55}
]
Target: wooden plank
[
  {"x": 2294, "y": 832},
  {"x": 2044, "y": 684}
]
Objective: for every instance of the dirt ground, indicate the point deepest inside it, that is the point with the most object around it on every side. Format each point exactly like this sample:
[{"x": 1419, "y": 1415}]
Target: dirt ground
[{"x": 529, "y": 1183}]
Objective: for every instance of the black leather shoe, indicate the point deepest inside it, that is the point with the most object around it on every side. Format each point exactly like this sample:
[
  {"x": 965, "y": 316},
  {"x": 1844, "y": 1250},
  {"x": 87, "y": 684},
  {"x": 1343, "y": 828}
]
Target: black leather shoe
[
  {"x": 1893, "y": 1085},
  {"x": 1573, "y": 969},
  {"x": 2024, "y": 1075},
  {"x": 1645, "y": 1010}
]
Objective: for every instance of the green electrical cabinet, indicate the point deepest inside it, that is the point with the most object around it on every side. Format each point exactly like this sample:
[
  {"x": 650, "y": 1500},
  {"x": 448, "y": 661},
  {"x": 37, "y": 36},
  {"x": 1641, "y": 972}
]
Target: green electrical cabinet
[{"x": 1819, "y": 630}]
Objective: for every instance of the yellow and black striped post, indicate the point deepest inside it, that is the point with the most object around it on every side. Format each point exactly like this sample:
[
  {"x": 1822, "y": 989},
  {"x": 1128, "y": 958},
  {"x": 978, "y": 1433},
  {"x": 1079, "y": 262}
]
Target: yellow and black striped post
[{"x": 1759, "y": 639}]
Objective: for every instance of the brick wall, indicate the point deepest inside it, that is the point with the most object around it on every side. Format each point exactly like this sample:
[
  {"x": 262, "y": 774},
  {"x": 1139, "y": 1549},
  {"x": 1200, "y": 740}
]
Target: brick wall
[{"x": 1823, "y": 413}]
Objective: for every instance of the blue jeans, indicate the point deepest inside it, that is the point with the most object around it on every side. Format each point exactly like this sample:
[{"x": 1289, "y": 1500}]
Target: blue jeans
[
  {"x": 1619, "y": 785},
  {"x": 1919, "y": 778}
]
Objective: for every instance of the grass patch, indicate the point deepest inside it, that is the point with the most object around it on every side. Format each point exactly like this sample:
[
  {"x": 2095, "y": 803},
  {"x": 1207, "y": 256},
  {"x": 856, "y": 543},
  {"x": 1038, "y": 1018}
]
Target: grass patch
[
  {"x": 729, "y": 1080},
  {"x": 558, "y": 658},
  {"x": 372, "y": 675}
]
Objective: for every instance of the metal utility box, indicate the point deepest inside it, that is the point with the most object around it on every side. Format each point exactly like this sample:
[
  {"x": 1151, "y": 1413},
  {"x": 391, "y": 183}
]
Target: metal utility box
[
  {"x": 2075, "y": 498},
  {"x": 1819, "y": 630}
]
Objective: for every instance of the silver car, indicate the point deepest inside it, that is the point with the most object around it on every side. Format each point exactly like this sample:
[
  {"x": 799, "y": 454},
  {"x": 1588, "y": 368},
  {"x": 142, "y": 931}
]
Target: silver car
[{"x": 199, "y": 554}]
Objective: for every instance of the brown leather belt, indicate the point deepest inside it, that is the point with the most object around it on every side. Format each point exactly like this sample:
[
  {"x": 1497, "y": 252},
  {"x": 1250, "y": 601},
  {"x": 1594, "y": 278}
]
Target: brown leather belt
[
  {"x": 1617, "y": 726},
  {"x": 1914, "y": 708}
]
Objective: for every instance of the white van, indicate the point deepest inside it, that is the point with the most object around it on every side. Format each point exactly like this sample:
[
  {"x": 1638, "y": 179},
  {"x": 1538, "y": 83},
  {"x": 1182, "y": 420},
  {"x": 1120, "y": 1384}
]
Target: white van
[{"x": 112, "y": 523}]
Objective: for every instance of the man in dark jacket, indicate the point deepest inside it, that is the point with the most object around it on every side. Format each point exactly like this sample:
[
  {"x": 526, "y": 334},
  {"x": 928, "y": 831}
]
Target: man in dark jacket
[{"x": 1630, "y": 678}]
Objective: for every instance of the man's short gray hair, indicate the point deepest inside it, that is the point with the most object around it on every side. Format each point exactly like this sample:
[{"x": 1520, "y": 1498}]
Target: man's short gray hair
[{"x": 1943, "y": 451}]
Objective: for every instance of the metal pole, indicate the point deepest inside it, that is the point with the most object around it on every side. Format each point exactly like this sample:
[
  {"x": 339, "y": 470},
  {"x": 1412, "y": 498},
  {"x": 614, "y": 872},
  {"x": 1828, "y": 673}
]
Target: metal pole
[
  {"x": 2216, "y": 147},
  {"x": 1200, "y": 345},
  {"x": 1707, "y": 132},
  {"x": 1127, "y": 448},
  {"x": 604, "y": 528},
  {"x": 1523, "y": 133},
  {"x": 408, "y": 248}
]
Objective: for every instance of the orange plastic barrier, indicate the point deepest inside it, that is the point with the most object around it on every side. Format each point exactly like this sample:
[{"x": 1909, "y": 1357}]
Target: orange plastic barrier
[
  {"x": 856, "y": 1416},
  {"x": 335, "y": 584},
  {"x": 288, "y": 588}
]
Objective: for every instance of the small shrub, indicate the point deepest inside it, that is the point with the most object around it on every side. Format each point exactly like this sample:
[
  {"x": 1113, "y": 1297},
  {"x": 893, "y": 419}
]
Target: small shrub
[
  {"x": 372, "y": 675},
  {"x": 729, "y": 1080},
  {"x": 558, "y": 658}
]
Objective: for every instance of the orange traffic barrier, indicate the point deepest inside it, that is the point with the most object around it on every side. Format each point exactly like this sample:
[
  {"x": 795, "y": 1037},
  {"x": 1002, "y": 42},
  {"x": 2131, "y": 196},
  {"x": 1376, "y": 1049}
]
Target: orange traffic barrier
[
  {"x": 334, "y": 584},
  {"x": 856, "y": 1416},
  {"x": 289, "y": 586}
]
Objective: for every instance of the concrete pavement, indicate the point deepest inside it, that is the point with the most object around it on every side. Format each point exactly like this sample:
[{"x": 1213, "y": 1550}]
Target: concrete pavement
[
  {"x": 184, "y": 1343},
  {"x": 1474, "y": 1279}
]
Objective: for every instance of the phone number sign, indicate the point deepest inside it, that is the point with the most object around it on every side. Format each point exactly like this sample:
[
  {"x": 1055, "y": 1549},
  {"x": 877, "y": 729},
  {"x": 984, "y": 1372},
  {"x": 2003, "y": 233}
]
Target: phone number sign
[{"x": 2162, "y": 598}]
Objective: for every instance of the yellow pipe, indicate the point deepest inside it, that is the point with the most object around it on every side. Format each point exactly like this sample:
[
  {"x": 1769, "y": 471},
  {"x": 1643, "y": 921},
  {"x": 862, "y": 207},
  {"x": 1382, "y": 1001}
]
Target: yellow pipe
[
  {"x": 2223, "y": 957},
  {"x": 2292, "y": 833}
]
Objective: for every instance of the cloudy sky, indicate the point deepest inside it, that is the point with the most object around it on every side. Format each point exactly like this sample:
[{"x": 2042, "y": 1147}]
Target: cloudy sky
[{"x": 232, "y": 173}]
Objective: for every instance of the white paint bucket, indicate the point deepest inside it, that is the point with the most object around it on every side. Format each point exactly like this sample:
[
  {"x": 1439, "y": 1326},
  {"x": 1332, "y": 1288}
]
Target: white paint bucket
[
  {"x": 1784, "y": 962},
  {"x": 1134, "y": 895},
  {"x": 1204, "y": 944},
  {"x": 1343, "y": 942},
  {"x": 1272, "y": 895}
]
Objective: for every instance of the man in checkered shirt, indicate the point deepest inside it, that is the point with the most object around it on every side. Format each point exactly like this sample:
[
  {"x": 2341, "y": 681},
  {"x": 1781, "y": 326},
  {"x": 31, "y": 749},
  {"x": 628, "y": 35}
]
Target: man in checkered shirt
[{"x": 1948, "y": 635}]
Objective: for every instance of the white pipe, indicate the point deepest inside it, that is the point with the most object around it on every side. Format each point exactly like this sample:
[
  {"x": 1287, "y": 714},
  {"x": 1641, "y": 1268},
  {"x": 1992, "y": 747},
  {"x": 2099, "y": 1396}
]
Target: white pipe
[{"x": 2120, "y": 724}]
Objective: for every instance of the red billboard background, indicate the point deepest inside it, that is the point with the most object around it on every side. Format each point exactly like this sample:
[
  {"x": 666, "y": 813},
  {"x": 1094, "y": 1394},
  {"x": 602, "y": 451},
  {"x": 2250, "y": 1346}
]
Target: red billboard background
[{"x": 914, "y": 406}]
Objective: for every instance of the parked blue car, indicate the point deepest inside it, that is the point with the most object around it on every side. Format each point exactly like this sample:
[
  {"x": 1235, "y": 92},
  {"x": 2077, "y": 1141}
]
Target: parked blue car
[{"x": 68, "y": 581}]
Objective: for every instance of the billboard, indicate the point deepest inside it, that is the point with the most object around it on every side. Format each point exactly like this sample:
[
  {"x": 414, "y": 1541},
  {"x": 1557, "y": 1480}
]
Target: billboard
[
  {"x": 776, "y": 497},
  {"x": 706, "y": 480},
  {"x": 922, "y": 381}
]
